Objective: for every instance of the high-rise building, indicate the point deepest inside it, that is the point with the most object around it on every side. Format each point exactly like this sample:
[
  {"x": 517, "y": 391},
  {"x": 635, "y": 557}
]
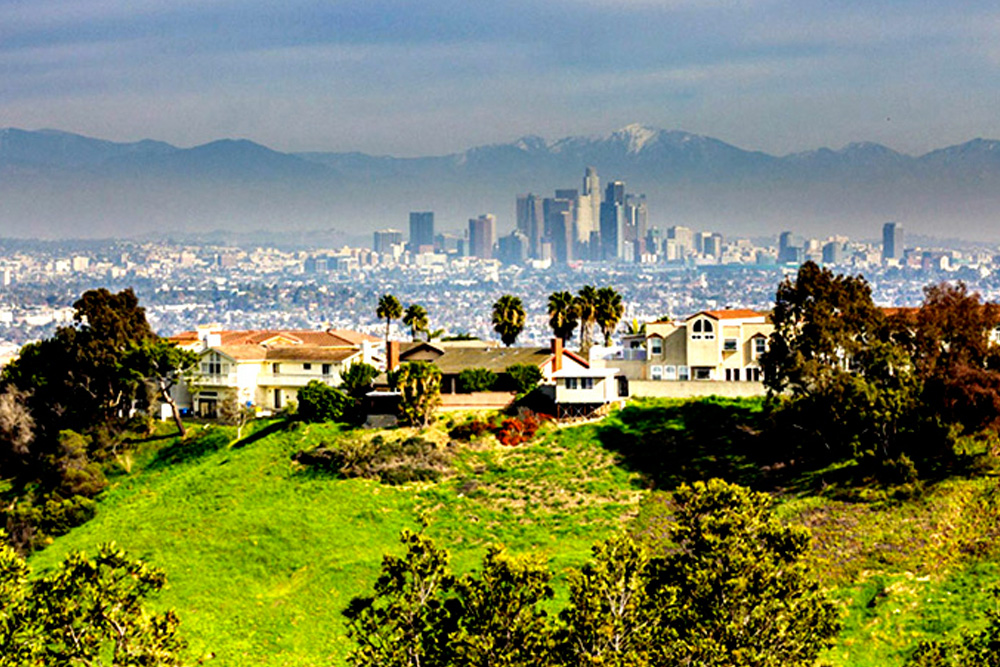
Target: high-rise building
[
  {"x": 636, "y": 222},
  {"x": 531, "y": 222},
  {"x": 892, "y": 241},
  {"x": 559, "y": 225},
  {"x": 790, "y": 248},
  {"x": 683, "y": 238},
  {"x": 421, "y": 231},
  {"x": 513, "y": 248},
  {"x": 384, "y": 239},
  {"x": 482, "y": 236}
]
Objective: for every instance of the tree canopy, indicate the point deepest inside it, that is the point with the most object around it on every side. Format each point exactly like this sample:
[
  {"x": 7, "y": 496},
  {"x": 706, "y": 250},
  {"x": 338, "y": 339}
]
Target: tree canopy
[{"x": 508, "y": 318}]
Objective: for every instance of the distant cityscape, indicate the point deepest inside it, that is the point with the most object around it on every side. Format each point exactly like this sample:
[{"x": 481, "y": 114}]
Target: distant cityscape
[{"x": 563, "y": 242}]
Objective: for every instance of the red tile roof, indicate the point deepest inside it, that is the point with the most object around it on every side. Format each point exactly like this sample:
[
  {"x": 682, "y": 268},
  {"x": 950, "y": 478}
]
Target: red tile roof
[
  {"x": 737, "y": 314},
  {"x": 328, "y": 338}
]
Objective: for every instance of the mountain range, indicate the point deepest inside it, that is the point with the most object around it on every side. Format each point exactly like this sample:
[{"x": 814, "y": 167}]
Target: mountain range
[{"x": 55, "y": 184}]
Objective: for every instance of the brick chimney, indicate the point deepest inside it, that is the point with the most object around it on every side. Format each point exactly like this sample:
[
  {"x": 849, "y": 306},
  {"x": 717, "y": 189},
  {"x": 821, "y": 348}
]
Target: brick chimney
[
  {"x": 392, "y": 355},
  {"x": 557, "y": 354}
]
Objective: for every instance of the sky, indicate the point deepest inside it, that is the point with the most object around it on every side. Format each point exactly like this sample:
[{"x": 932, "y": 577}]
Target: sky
[{"x": 422, "y": 77}]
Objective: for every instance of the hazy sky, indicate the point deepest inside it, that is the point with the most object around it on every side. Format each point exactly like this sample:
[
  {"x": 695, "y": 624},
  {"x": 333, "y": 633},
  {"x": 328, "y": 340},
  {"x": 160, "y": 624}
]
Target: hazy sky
[{"x": 409, "y": 77}]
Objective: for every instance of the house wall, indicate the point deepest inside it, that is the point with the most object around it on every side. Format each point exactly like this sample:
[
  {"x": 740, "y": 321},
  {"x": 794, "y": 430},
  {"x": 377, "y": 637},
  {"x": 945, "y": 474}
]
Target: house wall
[{"x": 693, "y": 389}]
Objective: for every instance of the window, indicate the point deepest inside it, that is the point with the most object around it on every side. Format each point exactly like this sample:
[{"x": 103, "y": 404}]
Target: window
[
  {"x": 571, "y": 383},
  {"x": 213, "y": 367},
  {"x": 759, "y": 346},
  {"x": 307, "y": 367},
  {"x": 656, "y": 372},
  {"x": 754, "y": 373},
  {"x": 275, "y": 368},
  {"x": 669, "y": 372},
  {"x": 682, "y": 373},
  {"x": 733, "y": 374},
  {"x": 703, "y": 373},
  {"x": 702, "y": 329},
  {"x": 656, "y": 346},
  {"x": 586, "y": 383},
  {"x": 326, "y": 369},
  {"x": 729, "y": 345}
]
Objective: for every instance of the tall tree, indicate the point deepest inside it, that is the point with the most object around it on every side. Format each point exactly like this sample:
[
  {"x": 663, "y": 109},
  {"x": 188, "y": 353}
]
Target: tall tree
[
  {"x": 608, "y": 311},
  {"x": 586, "y": 309},
  {"x": 415, "y": 318},
  {"x": 388, "y": 309},
  {"x": 508, "y": 318},
  {"x": 563, "y": 316},
  {"x": 164, "y": 365}
]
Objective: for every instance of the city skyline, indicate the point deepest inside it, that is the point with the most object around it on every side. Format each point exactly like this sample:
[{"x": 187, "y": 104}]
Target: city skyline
[{"x": 409, "y": 79}]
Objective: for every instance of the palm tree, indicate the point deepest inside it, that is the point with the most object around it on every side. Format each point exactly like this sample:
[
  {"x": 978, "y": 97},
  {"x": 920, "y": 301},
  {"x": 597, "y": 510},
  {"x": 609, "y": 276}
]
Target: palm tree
[
  {"x": 563, "y": 316},
  {"x": 415, "y": 318},
  {"x": 508, "y": 318},
  {"x": 609, "y": 311},
  {"x": 389, "y": 309},
  {"x": 586, "y": 309}
]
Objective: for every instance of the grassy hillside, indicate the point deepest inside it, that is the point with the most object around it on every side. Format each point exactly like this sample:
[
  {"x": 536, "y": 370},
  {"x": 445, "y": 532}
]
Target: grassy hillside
[{"x": 262, "y": 554}]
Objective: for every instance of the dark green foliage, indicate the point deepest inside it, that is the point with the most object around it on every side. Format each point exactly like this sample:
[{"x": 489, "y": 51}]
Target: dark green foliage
[
  {"x": 613, "y": 614},
  {"x": 742, "y": 594},
  {"x": 357, "y": 380},
  {"x": 563, "y": 315},
  {"x": 975, "y": 649},
  {"x": 405, "y": 622},
  {"x": 682, "y": 441},
  {"x": 388, "y": 309},
  {"x": 415, "y": 318},
  {"x": 608, "y": 311},
  {"x": 476, "y": 379},
  {"x": 508, "y": 318},
  {"x": 319, "y": 402},
  {"x": 88, "y": 612},
  {"x": 500, "y": 622},
  {"x": 733, "y": 591},
  {"x": 390, "y": 461},
  {"x": 525, "y": 377}
]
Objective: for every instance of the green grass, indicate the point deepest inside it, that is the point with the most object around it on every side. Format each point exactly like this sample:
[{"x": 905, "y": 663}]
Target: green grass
[{"x": 262, "y": 555}]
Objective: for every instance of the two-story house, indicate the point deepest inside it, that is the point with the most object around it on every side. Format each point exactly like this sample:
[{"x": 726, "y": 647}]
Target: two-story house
[
  {"x": 265, "y": 369},
  {"x": 721, "y": 345}
]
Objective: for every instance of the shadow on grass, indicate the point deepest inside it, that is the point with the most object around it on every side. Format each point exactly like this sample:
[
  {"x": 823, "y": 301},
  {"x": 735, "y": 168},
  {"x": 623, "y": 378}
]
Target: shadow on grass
[
  {"x": 184, "y": 451},
  {"x": 687, "y": 441},
  {"x": 260, "y": 434}
]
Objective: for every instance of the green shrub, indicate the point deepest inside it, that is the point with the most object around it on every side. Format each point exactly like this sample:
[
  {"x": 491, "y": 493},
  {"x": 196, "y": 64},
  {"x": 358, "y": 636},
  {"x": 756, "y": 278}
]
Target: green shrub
[
  {"x": 357, "y": 379},
  {"x": 318, "y": 402},
  {"x": 476, "y": 379},
  {"x": 525, "y": 377}
]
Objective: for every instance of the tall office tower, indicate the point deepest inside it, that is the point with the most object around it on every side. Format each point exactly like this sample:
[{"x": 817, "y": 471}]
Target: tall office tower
[
  {"x": 588, "y": 211},
  {"x": 513, "y": 248},
  {"x": 421, "y": 232},
  {"x": 384, "y": 240},
  {"x": 636, "y": 221},
  {"x": 559, "y": 225},
  {"x": 712, "y": 244},
  {"x": 683, "y": 238},
  {"x": 531, "y": 222},
  {"x": 613, "y": 222},
  {"x": 482, "y": 235},
  {"x": 790, "y": 248},
  {"x": 834, "y": 252},
  {"x": 654, "y": 241},
  {"x": 892, "y": 241}
]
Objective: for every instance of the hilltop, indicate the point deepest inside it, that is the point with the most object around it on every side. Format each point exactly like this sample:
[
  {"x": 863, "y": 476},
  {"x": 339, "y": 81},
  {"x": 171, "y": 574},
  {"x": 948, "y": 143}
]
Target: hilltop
[{"x": 262, "y": 553}]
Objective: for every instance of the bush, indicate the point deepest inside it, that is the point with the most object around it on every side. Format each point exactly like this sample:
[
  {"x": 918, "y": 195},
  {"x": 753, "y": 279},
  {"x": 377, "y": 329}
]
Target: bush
[
  {"x": 476, "y": 379},
  {"x": 470, "y": 430},
  {"x": 526, "y": 377},
  {"x": 516, "y": 431},
  {"x": 390, "y": 461},
  {"x": 318, "y": 402},
  {"x": 357, "y": 379}
]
